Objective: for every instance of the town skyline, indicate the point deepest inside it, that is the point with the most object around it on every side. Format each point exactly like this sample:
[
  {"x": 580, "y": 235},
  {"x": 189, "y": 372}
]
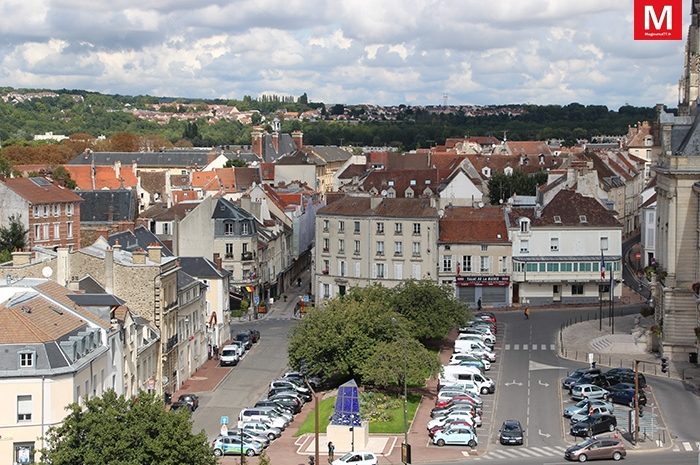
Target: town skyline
[{"x": 421, "y": 53}]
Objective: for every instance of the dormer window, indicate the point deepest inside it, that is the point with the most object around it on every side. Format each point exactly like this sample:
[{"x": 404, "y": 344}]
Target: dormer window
[
  {"x": 486, "y": 171},
  {"x": 524, "y": 225},
  {"x": 228, "y": 229},
  {"x": 245, "y": 229},
  {"x": 583, "y": 219},
  {"x": 541, "y": 158},
  {"x": 557, "y": 219},
  {"x": 648, "y": 141},
  {"x": 427, "y": 181},
  {"x": 391, "y": 183},
  {"x": 508, "y": 171},
  {"x": 26, "y": 359}
]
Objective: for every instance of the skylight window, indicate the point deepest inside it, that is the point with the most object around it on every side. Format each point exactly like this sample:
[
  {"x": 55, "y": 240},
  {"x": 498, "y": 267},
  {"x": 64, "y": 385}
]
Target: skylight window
[
  {"x": 557, "y": 219},
  {"x": 582, "y": 219}
]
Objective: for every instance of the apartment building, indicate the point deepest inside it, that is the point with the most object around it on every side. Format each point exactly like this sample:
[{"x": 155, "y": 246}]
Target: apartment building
[
  {"x": 366, "y": 240},
  {"x": 558, "y": 251},
  {"x": 49, "y": 212},
  {"x": 475, "y": 255}
]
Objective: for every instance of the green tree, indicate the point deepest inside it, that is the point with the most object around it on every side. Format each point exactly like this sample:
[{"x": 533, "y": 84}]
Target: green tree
[
  {"x": 390, "y": 360},
  {"x": 61, "y": 175},
  {"x": 431, "y": 309},
  {"x": 114, "y": 430},
  {"x": 5, "y": 167},
  {"x": 14, "y": 236},
  {"x": 256, "y": 118},
  {"x": 236, "y": 163}
]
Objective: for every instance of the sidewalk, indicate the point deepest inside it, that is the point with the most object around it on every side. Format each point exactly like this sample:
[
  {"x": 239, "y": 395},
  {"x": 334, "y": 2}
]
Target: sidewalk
[{"x": 206, "y": 378}]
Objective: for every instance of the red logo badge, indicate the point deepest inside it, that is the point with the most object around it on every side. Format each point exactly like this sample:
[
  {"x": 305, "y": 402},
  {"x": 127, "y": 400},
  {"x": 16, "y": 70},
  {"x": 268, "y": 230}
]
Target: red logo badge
[{"x": 658, "y": 20}]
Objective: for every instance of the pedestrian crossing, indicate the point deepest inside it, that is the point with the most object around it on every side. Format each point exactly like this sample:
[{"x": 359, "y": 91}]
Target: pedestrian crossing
[
  {"x": 530, "y": 347},
  {"x": 686, "y": 446},
  {"x": 514, "y": 452}
]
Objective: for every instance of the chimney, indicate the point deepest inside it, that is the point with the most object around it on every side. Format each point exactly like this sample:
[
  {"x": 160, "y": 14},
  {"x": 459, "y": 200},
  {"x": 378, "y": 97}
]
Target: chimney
[
  {"x": 276, "y": 141},
  {"x": 62, "y": 266},
  {"x": 109, "y": 270},
  {"x": 21, "y": 258},
  {"x": 247, "y": 203},
  {"x": 154, "y": 252},
  {"x": 102, "y": 231},
  {"x": 117, "y": 246},
  {"x": 257, "y": 141},
  {"x": 217, "y": 260},
  {"x": 298, "y": 138},
  {"x": 118, "y": 169},
  {"x": 138, "y": 257}
]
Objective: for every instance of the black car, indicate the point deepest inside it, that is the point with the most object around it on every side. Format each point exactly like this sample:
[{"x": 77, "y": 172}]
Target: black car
[
  {"x": 511, "y": 432},
  {"x": 623, "y": 393},
  {"x": 190, "y": 399},
  {"x": 245, "y": 339},
  {"x": 625, "y": 377},
  {"x": 254, "y": 335},
  {"x": 289, "y": 401},
  {"x": 313, "y": 381},
  {"x": 181, "y": 405},
  {"x": 575, "y": 375},
  {"x": 596, "y": 379},
  {"x": 276, "y": 391},
  {"x": 593, "y": 425}
]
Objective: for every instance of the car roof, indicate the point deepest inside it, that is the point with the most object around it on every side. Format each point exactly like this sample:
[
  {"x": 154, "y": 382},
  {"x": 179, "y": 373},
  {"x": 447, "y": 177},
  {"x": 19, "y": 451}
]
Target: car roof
[{"x": 511, "y": 423}]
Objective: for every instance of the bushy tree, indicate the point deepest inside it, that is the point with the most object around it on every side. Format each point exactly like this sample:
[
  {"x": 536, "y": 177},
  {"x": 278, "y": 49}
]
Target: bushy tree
[
  {"x": 390, "y": 361},
  {"x": 14, "y": 236},
  {"x": 114, "y": 430},
  {"x": 236, "y": 163},
  {"x": 62, "y": 176}
]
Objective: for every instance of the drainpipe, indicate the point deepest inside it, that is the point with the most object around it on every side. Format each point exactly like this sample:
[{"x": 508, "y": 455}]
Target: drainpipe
[{"x": 43, "y": 380}]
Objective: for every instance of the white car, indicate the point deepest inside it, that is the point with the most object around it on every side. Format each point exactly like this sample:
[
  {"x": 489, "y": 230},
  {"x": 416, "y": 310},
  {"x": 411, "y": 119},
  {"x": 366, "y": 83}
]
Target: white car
[
  {"x": 461, "y": 417},
  {"x": 474, "y": 350},
  {"x": 357, "y": 458},
  {"x": 462, "y": 386},
  {"x": 486, "y": 339},
  {"x": 456, "y": 358}
]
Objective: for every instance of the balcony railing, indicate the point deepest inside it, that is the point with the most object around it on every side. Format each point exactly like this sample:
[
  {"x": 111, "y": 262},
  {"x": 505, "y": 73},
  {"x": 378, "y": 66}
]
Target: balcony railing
[
  {"x": 172, "y": 342},
  {"x": 247, "y": 256}
]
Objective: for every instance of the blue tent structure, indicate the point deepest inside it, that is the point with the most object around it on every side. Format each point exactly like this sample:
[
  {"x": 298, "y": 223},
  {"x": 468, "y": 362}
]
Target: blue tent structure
[{"x": 347, "y": 405}]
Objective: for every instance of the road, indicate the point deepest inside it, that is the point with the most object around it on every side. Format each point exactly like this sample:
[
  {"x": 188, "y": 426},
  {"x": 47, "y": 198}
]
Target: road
[{"x": 249, "y": 381}]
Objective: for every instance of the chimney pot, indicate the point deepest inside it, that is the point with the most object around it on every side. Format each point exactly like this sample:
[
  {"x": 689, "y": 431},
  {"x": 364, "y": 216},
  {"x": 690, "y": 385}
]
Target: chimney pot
[{"x": 298, "y": 138}]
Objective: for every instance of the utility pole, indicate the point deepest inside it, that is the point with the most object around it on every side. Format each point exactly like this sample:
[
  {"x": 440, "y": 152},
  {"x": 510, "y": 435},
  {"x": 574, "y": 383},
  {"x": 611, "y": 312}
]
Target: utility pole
[{"x": 636, "y": 402}]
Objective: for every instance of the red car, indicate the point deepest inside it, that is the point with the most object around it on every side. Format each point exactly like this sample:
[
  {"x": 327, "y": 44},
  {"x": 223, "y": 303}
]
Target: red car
[
  {"x": 435, "y": 429},
  {"x": 461, "y": 399}
]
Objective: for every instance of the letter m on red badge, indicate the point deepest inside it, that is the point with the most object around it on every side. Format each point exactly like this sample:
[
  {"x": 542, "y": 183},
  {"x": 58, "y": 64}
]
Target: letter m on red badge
[{"x": 658, "y": 20}]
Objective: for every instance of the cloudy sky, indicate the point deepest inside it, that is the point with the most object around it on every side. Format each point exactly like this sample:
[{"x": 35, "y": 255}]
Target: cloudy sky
[{"x": 351, "y": 51}]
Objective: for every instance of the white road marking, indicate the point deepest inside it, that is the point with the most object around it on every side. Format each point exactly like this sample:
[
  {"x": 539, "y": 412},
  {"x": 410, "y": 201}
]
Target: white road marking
[
  {"x": 516, "y": 346},
  {"x": 675, "y": 448},
  {"x": 507, "y": 347},
  {"x": 687, "y": 446},
  {"x": 552, "y": 347},
  {"x": 505, "y": 453},
  {"x": 544, "y": 346},
  {"x": 524, "y": 346}
]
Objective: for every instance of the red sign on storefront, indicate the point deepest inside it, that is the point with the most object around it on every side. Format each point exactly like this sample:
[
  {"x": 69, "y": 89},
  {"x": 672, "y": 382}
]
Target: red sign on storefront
[{"x": 483, "y": 280}]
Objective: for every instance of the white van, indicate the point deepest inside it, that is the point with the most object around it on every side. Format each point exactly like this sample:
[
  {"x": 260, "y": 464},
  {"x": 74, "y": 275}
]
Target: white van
[
  {"x": 450, "y": 372},
  {"x": 228, "y": 355},
  {"x": 474, "y": 347},
  {"x": 483, "y": 384}
]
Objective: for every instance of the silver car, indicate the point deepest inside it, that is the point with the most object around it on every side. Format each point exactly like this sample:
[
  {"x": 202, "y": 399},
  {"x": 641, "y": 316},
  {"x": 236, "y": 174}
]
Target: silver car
[
  {"x": 260, "y": 427},
  {"x": 597, "y": 410},
  {"x": 584, "y": 404},
  {"x": 588, "y": 391}
]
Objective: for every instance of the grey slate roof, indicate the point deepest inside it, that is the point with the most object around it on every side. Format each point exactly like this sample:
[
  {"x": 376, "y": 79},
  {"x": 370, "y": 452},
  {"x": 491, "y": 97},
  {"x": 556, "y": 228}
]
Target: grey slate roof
[
  {"x": 225, "y": 209},
  {"x": 330, "y": 153},
  {"x": 139, "y": 238},
  {"x": 90, "y": 286},
  {"x": 108, "y": 205},
  {"x": 201, "y": 267},
  {"x": 171, "y": 158},
  {"x": 96, "y": 300},
  {"x": 184, "y": 280},
  {"x": 286, "y": 145}
]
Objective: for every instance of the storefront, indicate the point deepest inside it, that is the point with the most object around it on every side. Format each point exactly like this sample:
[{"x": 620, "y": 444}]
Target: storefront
[{"x": 492, "y": 290}]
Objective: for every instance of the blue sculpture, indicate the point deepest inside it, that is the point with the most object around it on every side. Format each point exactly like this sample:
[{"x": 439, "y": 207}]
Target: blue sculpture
[{"x": 347, "y": 406}]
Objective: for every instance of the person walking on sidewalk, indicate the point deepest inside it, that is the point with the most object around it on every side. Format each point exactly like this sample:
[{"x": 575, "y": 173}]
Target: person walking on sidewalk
[
  {"x": 331, "y": 452},
  {"x": 527, "y": 313}
]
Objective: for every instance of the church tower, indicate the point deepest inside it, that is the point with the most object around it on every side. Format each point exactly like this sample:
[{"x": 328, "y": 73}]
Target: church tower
[{"x": 689, "y": 84}]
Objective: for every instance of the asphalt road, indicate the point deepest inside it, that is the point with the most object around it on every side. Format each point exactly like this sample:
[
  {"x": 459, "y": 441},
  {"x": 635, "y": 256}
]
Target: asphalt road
[
  {"x": 633, "y": 458},
  {"x": 249, "y": 381}
]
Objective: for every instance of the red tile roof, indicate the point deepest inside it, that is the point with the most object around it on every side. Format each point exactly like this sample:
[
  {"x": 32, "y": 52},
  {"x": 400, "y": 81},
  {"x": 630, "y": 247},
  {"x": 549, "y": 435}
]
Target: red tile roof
[
  {"x": 105, "y": 177},
  {"x": 528, "y": 147},
  {"x": 36, "y": 194},
  {"x": 570, "y": 207},
  {"x": 268, "y": 171},
  {"x": 467, "y": 225},
  {"x": 34, "y": 322},
  {"x": 184, "y": 195}
]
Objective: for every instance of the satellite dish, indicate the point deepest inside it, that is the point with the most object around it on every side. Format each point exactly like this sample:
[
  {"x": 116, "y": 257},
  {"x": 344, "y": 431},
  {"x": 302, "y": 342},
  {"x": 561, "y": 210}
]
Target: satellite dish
[{"x": 46, "y": 272}]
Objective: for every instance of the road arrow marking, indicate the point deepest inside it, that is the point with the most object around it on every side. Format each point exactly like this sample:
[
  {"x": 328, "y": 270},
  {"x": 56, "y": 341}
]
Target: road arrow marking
[
  {"x": 513, "y": 383},
  {"x": 542, "y": 434},
  {"x": 541, "y": 366},
  {"x": 539, "y": 381}
]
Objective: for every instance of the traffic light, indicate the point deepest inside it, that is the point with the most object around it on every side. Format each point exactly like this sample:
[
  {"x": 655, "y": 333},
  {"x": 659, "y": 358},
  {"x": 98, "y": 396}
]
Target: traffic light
[{"x": 664, "y": 365}]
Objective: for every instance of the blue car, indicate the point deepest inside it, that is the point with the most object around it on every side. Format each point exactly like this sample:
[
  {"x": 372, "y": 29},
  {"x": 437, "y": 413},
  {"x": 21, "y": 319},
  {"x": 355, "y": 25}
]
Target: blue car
[
  {"x": 623, "y": 395},
  {"x": 224, "y": 445}
]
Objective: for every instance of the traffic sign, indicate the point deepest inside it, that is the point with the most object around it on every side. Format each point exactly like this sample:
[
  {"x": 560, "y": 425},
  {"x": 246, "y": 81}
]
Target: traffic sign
[
  {"x": 256, "y": 300},
  {"x": 224, "y": 420},
  {"x": 306, "y": 298}
]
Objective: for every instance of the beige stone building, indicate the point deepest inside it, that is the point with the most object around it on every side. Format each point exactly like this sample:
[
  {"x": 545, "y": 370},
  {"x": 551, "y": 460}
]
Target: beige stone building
[
  {"x": 366, "y": 240},
  {"x": 475, "y": 255}
]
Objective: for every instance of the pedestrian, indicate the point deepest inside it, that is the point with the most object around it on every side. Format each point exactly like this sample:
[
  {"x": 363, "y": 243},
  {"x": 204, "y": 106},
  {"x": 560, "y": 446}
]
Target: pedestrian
[
  {"x": 527, "y": 313},
  {"x": 298, "y": 282},
  {"x": 331, "y": 452},
  {"x": 478, "y": 304}
]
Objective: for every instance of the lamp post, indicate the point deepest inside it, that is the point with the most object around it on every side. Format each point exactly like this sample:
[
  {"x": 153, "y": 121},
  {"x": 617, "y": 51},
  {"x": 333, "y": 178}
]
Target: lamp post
[{"x": 352, "y": 439}]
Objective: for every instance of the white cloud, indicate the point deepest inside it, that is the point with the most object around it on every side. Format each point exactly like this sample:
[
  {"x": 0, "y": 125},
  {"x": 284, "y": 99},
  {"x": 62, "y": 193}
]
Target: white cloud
[{"x": 388, "y": 52}]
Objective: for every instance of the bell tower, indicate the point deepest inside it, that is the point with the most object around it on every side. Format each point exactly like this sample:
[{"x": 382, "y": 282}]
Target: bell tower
[{"x": 689, "y": 84}]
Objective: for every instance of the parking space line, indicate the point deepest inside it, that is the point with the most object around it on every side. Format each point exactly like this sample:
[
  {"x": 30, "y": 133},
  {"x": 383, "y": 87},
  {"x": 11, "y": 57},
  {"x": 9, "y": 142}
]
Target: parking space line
[
  {"x": 516, "y": 346},
  {"x": 687, "y": 447}
]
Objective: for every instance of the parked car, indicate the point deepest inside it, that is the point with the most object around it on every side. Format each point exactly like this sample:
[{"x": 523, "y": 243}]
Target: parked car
[
  {"x": 593, "y": 425},
  {"x": 240, "y": 346},
  {"x": 456, "y": 358},
  {"x": 461, "y": 435},
  {"x": 467, "y": 387},
  {"x": 313, "y": 381},
  {"x": 474, "y": 348},
  {"x": 292, "y": 386},
  {"x": 596, "y": 448},
  {"x": 229, "y": 355},
  {"x": 254, "y": 335},
  {"x": 180, "y": 405},
  {"x": 286, "y": 391},
  {"x": 584, "y": 405},
  {"x": 588, "y": 391},
  {"x": 625, "y": 377},
  {"x": 357, "y": 458},
  {"x": 451, "y": 425},
  {"x": 190, "y": 399},
  {"x": 471, "y": 363},
  {"x": 272, "y": 403},
  {"x": 249, "y": 436},
  {"x": 260, "y": 415},
  {"x": 291, "y": 401},
  {"x": 485, "y": 338},
  {"x": 261, "y": 427},
  {"x": 461, "y": 398},
  {"x": 623, "y": 393},
  {"x": 455, "y": 407},
  {"x": 592, "y": 410},
  {"x": 511, "y": 432},
  {"x": 442, "y": 421},
  {"x": 574, "y": 376},
  {"x": 224, "y": 445},
  {"x": 244, "y": 338},
  {"x": 593, "y": 378}
]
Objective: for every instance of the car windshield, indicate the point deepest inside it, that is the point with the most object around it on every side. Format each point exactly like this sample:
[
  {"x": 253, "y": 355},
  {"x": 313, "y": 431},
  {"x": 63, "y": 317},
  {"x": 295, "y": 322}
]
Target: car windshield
[
  {"x": 228, "y": 352},
  {"x": 511, "y": 427},
  {"x": 345, "y": 457},
  {"x": 582, "y": 403},
  {"x": 585, "y": 443}
]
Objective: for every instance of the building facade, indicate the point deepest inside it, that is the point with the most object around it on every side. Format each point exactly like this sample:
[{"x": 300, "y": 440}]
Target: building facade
[{"x": 366, "y": 240}]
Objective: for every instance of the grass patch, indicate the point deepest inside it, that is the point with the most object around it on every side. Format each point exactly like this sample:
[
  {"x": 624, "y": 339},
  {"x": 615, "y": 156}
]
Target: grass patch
[{"x": 385, "y": 413}]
